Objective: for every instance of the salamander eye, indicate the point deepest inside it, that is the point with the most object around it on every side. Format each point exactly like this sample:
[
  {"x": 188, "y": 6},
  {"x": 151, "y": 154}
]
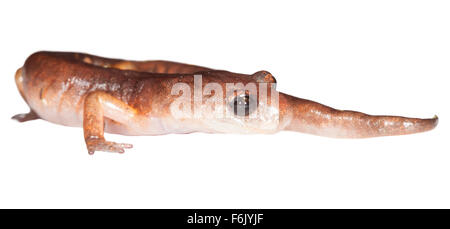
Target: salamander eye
[{"x": 243, "y": 105}]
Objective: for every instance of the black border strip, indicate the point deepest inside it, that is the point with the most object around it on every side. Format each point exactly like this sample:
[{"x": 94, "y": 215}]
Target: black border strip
[{"x": 272, "y": 218}]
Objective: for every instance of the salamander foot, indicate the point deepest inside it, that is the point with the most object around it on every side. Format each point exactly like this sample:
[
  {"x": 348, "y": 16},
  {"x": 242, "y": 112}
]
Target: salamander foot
[
  {"x": 98, "y": 144},
  {"x": 25, "y": 116}
]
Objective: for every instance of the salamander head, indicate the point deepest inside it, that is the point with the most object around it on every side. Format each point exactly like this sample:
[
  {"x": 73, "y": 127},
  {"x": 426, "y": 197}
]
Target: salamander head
[{"x": 228, "y": 102}]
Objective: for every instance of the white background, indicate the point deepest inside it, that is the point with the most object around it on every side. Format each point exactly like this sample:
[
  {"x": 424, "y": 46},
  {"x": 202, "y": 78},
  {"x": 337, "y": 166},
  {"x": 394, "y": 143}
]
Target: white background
[{"x": 379, "y": 57}]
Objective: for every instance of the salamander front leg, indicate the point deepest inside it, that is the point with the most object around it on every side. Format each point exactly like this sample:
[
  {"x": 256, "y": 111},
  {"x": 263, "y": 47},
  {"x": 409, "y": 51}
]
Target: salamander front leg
[
  {"x": 26, "y": 116},
  {"x": 97, "y": 106}
]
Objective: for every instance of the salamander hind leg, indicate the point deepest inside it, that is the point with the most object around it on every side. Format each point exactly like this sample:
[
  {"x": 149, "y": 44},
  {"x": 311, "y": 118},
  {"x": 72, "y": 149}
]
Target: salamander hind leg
[
  {"x": 31, "y": 115},
  {"x": 98, "y": 106},
  {"x": 25, "y": 116}
]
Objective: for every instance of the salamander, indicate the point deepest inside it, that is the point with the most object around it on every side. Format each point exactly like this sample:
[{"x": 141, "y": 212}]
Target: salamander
[{"x": 162, "y": 97}]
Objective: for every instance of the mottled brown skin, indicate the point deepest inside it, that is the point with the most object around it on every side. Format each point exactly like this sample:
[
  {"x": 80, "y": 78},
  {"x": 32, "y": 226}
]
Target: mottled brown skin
[
  {"x": 133, "y": 98},
  {"x": 312, "y": 117}
]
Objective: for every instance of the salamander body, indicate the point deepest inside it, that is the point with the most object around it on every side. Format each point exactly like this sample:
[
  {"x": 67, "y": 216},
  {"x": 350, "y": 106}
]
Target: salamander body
[{"x": 162, "y": 97}]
